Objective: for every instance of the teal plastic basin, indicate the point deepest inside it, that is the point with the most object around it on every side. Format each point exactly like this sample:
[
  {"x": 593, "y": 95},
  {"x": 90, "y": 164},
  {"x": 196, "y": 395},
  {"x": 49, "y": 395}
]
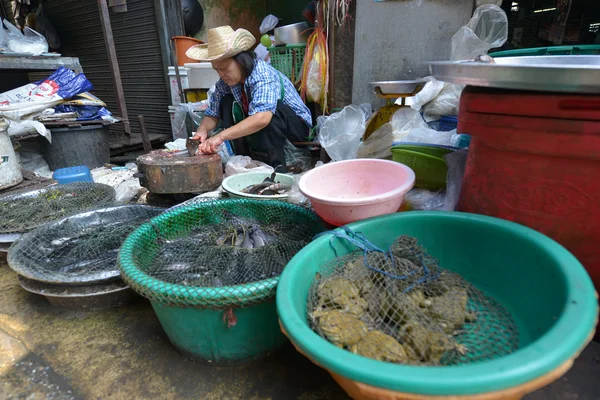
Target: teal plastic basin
[
  {"x": 546, "y": 289},
  {"x": 216, "y": 325},
  {"x": 201, "y": 334}
]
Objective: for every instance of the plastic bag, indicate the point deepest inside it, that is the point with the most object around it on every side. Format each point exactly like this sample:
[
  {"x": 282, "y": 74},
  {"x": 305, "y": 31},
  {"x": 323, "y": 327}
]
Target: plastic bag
[
  {"x": 378, "y": 144},
  {"x": 456, "y": 161},
  {"x": 196, "y": 113},
  {"x": 430, "y": 136},
  {"x": 429, "y": 92},
  {"x": 294, "y": 195},
  {"x": 28, "y": 42},
  {"x": 341, "y": 132},
  {"x": 268, "y": 24},
  {"x": 241, "y": 164},
  {"x": 445, "y": 104},
  {"x": 314, "y": 84},
  {"x": 296, "y": 157},
  {"x": 487, "y": 29},
  {"x": 425, "y": 200}
]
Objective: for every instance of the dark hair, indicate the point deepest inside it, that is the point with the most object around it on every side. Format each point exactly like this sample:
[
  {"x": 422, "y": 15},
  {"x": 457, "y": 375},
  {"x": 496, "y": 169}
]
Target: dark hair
[{"x": 246, "y": 61}]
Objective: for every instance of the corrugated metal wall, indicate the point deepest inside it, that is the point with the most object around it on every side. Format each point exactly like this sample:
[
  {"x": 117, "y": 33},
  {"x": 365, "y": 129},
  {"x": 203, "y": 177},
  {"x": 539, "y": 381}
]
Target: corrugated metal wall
[{"x": 138, "y": 52}]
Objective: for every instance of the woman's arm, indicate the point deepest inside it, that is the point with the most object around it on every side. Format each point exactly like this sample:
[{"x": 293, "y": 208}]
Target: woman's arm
[
  {"x": 248, "y": 126},
  {"x": 207, "y": 125}
]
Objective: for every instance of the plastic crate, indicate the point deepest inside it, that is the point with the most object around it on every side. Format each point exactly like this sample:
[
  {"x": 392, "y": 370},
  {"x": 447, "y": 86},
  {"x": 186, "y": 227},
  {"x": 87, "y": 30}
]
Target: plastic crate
[
  {"x": 288, "y": 60},
  {"x": 590, "y": 49},
  {"x": 447, "y": 124}
]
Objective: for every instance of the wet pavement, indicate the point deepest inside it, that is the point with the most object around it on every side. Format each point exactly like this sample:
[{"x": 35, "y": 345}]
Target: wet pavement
[{"x": 123, "y": 353}]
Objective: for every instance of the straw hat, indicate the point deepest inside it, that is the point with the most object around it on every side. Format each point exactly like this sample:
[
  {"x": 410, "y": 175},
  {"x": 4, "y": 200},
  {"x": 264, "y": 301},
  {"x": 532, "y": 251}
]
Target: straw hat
[{"x": 223, "y": 42}]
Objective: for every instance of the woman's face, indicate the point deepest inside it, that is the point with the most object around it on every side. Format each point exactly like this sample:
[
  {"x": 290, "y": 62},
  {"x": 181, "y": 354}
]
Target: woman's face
[{"x": 229, "y": 71}]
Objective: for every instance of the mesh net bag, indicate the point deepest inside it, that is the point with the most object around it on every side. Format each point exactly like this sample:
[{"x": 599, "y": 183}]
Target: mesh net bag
[
  {"x": 216, "y": 254},
  {"x": 400, "y": 306},
  {"x": 24, "y": 211},
  {"x": 79, "y": 249}
]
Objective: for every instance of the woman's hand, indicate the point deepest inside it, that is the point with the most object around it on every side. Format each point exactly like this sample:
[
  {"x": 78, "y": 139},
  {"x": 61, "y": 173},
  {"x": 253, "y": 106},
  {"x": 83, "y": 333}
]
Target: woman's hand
[
  {"x": 211, "y": 145},
  {"x": 201, "y": 134}
]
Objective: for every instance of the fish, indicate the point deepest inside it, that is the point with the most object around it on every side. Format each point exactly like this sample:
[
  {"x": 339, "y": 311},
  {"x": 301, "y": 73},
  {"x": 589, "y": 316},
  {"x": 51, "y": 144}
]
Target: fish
[
  {"x": 276, "y": 187},
  {"x": 254, "y": 189},
  {"x": 258, "y": 241}
]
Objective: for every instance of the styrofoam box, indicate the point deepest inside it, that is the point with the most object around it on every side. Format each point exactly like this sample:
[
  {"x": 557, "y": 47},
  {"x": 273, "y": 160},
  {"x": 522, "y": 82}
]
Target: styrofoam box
[
  {"x": 201, "y": 75},
  {"x": 183, "y": 75}
]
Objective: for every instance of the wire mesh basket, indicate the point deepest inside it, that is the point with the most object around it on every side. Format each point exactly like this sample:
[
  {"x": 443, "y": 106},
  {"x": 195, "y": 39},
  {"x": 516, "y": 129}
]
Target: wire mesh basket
[
  {"x": 80, "y": 249},
  {"x": 288, "y": 60}
]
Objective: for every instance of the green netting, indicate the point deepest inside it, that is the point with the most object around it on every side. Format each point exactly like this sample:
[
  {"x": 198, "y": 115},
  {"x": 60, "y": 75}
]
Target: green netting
[
  {"x": 216, "y": 254},
  {"x": 23, "y": 211},
  {"x": 400, "y": 306},
  {"x": 288, "y": 60}
]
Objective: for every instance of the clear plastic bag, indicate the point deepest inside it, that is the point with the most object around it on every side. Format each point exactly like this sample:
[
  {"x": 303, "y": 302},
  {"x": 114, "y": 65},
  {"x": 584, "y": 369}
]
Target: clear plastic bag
[
  {"x": 341, "y": 132},
  {"x": 241, "y": 164},
  {"x": 314, "y": 83},
  {"x": 425, "y": 200},
  {"x": 297, "y": 157},
  {"x": 456, "y": 161},
  {"x": 28, "y": 42},
  {"x": 430, "y": 136},
  {"x": 487, "y": 29}
]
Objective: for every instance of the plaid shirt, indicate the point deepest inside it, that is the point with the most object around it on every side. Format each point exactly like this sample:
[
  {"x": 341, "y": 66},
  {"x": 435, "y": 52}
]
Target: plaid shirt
[{"x": 263, "y": 88}]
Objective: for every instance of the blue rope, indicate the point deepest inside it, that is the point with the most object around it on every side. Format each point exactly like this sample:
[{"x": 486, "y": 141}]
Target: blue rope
[{"x": 359, "y": 240}]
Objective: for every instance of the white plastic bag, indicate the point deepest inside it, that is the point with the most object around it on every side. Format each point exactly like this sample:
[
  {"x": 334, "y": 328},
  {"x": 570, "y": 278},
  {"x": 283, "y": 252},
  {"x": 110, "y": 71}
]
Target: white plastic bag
[
  {"x": 341, "y": 132},
  {"x": 428, "y": 93},
  {"x": 241, "y": 164},
  {"x": 28, "y": 42},
  {"x": 268, "y": 24},
  {"x": 430, "y": 136},
  {"x": 487, "y": 29}
]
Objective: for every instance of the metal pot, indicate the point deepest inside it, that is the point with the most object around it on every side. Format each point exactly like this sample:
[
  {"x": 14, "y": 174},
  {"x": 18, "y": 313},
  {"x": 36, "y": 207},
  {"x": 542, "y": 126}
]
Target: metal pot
[{"x": 292, "y": 34}]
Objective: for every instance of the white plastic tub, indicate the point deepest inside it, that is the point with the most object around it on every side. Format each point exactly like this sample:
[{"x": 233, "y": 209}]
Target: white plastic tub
[{"x": 201, "y": 75}]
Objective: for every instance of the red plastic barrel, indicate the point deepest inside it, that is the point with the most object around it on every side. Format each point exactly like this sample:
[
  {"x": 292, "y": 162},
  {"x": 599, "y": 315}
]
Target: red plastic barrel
[{"x": 534, "y": 159}]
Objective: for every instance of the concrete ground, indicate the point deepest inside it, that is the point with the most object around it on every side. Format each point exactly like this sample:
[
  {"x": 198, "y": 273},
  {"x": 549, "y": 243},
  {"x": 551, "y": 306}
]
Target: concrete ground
[{"x": 123, "y": 353}]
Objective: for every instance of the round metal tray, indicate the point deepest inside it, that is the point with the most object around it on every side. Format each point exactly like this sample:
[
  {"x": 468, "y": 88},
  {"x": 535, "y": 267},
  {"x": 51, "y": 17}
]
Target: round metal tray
[
  {"x": 81, "y": 298},
  {"x": 573, "y": 74}
]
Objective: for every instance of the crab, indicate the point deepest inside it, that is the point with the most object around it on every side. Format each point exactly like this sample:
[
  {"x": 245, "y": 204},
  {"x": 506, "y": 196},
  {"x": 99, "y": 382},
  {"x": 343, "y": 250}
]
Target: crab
[
  {"x": 450, "y": 309},
  {"x": 341, "y": 329},
  {"x": 340, "y": 293},
  {"x": 379, "y": 346}
]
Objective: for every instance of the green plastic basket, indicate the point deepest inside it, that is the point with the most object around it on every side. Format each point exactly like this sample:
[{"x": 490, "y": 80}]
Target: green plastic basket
[
  {"x": 430, "y": 169},
  {"x": 288, "y": 60},
  {"x": 548, "y": 292}
]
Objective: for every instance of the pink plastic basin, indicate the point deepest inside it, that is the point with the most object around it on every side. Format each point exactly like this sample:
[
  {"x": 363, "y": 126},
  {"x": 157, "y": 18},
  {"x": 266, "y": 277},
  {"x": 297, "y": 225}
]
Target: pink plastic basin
[{"x": 348, "y": 191}]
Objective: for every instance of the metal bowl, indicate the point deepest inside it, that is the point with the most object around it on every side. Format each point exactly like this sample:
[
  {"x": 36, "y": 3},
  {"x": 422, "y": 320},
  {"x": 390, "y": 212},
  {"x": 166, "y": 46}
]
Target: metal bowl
[{"x": 292, "y": 34}]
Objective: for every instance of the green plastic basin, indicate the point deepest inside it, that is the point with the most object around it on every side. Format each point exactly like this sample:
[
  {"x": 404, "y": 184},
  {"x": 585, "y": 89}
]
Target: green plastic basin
[
  {"x": 234, "y": 184},
  {"x": 201, "y": 333},
  {"x": 217, "y": 325},
  {"x": 546, "y": 289}
]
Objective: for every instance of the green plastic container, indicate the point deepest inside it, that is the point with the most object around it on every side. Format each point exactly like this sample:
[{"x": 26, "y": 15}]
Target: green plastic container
[
  {"x": 590, "y": 49},
  {"x": 196, "y": 319},
  {"x": 288, "y": 60},
  {"x": 430, "y": 171},
  {"x": 547, "y": 290}
]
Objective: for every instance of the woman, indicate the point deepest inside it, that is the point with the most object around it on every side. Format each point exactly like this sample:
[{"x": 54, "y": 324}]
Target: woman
[{"x": 259, "y": 108}]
